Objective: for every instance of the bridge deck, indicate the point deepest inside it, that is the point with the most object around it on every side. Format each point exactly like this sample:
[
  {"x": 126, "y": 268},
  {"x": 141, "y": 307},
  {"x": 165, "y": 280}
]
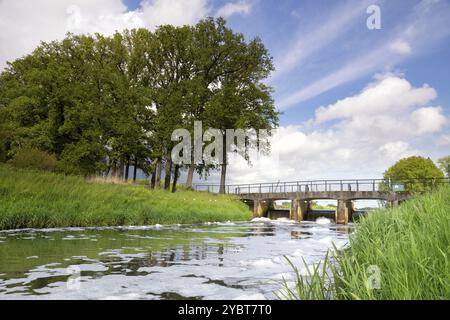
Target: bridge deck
[{"x": 301, "y": 193}]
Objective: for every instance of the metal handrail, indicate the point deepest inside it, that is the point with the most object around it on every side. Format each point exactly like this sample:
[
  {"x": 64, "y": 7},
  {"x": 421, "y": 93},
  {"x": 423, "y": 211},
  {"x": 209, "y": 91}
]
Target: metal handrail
[{"x": 316, "y": 185}]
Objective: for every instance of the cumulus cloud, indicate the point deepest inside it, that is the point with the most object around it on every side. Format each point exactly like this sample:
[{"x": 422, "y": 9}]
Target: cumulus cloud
[
  {"x": 388, "y": 120},
  {"x": 425, "y": 27},
  {"x": 25, "y": 24},
  {"x": 229, "y": 9},
  {"x": 392, "y": 94}
]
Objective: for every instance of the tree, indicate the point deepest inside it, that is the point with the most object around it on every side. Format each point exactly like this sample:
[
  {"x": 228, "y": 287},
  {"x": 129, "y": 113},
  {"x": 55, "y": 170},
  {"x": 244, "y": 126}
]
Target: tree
[
  {"x": 103, "y": 103},
  {"x": 415, "y": 172},
  {"x": 230, "y": 76},
  {"x": 444, "y": 165}
]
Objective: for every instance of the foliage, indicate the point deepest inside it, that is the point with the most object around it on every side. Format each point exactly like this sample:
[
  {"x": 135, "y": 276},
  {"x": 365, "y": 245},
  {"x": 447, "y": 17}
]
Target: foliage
[
  {"x": 101, "y": 103},
  {"x": 32, "y": 158},
  {"x": 32, "y": 199},
  {"x": 444, "y": 165},
  {"x": 408, "y": 245},
  {"x": 416, "y": 169}
]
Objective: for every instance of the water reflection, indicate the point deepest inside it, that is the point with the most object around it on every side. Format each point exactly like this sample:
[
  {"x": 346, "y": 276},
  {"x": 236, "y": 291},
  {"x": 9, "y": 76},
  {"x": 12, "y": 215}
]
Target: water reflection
[{"x": 214, "y": 261}]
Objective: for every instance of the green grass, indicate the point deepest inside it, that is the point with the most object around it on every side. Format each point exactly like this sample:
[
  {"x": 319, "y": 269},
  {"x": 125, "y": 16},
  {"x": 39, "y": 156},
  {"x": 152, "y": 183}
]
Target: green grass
[
  {"x": 409, "y": 245},
  {"x": 31, "y": 199}
]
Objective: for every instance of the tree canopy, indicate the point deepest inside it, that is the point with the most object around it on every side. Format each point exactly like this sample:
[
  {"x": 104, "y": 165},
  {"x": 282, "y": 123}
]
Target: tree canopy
[
  {"x": 417, "y": 169},
  {"x": 444, "y": 165},
  {"x": 102, "y": 103}
]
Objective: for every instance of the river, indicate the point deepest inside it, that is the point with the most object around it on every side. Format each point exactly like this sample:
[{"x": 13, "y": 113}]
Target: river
[{"x": 242, "y": 260}]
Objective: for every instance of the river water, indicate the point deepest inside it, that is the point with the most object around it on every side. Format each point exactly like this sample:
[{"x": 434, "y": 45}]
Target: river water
[{"x": 242, "y": 260}]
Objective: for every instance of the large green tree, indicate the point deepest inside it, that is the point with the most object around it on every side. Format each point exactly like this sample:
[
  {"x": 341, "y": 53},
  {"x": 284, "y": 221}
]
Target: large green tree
[
  {"x": 444, "y": 165},
  {"x": 416, "y": 173},
  {"x": 230, "y": 78},
  {"x": 103, "y": 103}
]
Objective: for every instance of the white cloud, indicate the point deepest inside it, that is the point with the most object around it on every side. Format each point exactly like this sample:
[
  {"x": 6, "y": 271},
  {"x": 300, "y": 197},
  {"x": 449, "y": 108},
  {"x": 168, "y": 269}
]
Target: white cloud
[
  {"x": 444, "y": 140},
  {"x": 24, "y": 24},
  {"x": 332, "y": 26},
  {"x": 176, "y": 12},
  {"x": 428, "y": 120},
  {"x": 392, "y": 94},
  {"x": 388, "y": 120},
  {"x": 426, "y": 26},
  {"x": 233, "y": 8},
  {"x": 400, "y": 47}
]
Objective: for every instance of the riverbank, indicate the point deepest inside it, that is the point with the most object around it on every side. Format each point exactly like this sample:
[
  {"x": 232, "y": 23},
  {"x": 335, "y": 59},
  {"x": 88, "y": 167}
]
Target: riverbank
[
  {"x": 31, "y": 199},
  {"x": 395, "y": 254}
]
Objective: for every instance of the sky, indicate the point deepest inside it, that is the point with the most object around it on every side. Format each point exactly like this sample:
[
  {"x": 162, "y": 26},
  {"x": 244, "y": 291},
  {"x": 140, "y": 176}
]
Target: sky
[{"x": 354, "y": 99}]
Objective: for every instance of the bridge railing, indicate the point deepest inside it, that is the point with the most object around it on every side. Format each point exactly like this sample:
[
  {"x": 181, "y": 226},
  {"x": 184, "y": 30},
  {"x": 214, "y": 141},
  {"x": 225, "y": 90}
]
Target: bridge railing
[{"x": 421, "y": 184}]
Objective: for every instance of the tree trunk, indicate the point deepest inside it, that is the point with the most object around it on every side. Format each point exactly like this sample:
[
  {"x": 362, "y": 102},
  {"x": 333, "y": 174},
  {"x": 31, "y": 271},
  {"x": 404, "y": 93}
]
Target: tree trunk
[
  {"x": 127, "y": 168},
  {"x": 153, "y": 179},
  {"x": 135, "y": 168},
  {"x": 223, "y": 172},
  {"x": 168, "y": 173},
  {"x": 107, "y": 171},
  {"x": 158, "y": 173},
  {"x": 175, "y": 178},
  {"x": 190, "y": 175},
  {"x": 121, "y": 167},
  {"x": 114, "y": 169}
]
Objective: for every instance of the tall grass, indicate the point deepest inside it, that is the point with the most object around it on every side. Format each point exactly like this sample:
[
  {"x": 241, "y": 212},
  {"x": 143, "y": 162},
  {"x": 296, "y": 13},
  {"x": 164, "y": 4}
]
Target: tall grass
[
  {"x": 406, "y": 248},
  {"x": 30, "y": 199}
]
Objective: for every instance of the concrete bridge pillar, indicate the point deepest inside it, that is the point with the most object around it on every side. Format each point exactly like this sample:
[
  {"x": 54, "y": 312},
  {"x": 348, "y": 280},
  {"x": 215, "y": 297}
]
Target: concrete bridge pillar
[
  {"x": 299, "y": 209},
  {"x": 294, "y": 210},
  {"x": 342, "y": 212},
  {"x": 350, "y": 209},
  {"x": 260, "y": 208},
  {"x": 304, "y": 207},
  {"x": 394, "y": 203}
]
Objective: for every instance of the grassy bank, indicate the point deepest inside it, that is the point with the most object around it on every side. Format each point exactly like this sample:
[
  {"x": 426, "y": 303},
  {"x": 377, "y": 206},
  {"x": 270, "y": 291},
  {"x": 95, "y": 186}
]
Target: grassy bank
[
  {"x": 30, "y": 199},
  {"x": 409, "y": 246}
]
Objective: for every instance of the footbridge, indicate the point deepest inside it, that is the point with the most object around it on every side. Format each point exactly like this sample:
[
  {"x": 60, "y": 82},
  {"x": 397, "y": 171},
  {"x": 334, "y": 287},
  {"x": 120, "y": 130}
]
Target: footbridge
[{"x": 261, "y": 196}]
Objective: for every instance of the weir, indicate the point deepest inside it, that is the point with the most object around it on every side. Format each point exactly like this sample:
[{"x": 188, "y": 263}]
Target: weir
[{"x": 261, "y": 197}]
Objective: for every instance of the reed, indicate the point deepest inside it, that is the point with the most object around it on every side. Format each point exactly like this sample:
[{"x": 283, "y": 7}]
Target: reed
[{"x": 395, "y": 254}]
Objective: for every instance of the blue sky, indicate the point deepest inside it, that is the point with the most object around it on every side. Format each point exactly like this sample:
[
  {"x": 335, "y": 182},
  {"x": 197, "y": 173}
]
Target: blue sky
[
  {"x": 354, "y": 100},
  {"x": 281, "y": 23}
]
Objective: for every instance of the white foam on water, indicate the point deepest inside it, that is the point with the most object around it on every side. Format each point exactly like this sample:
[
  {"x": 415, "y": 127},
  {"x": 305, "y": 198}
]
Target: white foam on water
[
  {"x": 285, "y": 220},
  {"x": 256, "y": 296},
  {"x": 249, "y": 265},
  {"x": 262, "y": 219},
  {"x": 323, "y": 220},
  {"x": 261, "y": 263},
  {"x": 283, "y": 276}
]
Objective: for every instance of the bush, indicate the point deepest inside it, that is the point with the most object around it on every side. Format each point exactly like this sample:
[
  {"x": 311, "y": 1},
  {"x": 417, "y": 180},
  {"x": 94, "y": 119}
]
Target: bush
[{"x": 31, "y": 158}]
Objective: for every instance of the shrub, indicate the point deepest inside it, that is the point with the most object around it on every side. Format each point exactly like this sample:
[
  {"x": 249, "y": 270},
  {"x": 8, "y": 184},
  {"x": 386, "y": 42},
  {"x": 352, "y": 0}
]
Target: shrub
[{"x": 32, "y": 158}]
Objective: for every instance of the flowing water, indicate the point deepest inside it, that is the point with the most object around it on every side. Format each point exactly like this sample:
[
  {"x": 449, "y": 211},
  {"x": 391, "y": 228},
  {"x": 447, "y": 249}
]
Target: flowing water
[{"x": 242, "y": 260}]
